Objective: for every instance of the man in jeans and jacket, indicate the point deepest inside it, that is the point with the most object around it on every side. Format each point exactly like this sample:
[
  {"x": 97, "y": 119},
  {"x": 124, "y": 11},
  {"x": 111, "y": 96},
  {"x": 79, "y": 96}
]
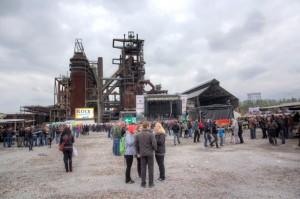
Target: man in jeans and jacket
[
  {"x": 176, "y": 129},
  {"x": 117, "y": 138},
  {"x": 145, "y": 146}
]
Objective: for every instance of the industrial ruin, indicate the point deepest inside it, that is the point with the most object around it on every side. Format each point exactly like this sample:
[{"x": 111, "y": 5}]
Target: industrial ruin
[
  {"x": 86, "y": 86},
  {"x": 111, "y": 97}
]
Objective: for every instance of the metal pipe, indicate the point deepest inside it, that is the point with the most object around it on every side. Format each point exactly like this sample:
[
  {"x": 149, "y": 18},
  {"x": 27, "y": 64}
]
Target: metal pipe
[{"x": 106, "y": 78}]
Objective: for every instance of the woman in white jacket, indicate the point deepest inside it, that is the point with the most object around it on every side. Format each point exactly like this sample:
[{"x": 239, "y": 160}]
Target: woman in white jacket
[
  {"x": 235, "y": 129},
  {"x": 130, "y": 152}
]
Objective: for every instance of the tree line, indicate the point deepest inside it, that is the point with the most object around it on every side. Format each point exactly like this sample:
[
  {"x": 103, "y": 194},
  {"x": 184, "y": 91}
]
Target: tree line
[{"x": 246, "y": 104}]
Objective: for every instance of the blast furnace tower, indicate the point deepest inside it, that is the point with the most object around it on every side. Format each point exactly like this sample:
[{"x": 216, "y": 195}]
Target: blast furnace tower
[
  {"x": 82, "y": 78},
  {"x": 130, "y": 75}
]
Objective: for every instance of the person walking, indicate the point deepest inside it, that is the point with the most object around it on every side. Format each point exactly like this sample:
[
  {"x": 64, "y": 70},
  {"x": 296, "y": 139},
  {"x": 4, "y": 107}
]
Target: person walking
[
  {"x": 176, "y": 130},
  {"x": 207, "y": 130},
  {"x": 185, "y": 129},
  {"x": 67, "y": 139},
  {"x": 160, "y": 137},
  {"x": 214, "y": 132},
  {"x": 196, "y": 131},
  {"x": 130, "y": 152},
  {"x": 145, "y": 147}
]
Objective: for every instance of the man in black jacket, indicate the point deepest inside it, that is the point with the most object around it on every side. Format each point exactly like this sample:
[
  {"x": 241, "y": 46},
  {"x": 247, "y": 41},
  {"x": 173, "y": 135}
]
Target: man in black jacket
[
  {"x": 176, "y": 130},
  {"x": 145, "y": 146}
]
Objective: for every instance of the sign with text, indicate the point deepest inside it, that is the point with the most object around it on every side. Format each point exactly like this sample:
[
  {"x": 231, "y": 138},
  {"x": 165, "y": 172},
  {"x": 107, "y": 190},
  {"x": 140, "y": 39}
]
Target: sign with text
[
  {"x": 84, "y": 113},
  {"x": 130, "y": 120}
]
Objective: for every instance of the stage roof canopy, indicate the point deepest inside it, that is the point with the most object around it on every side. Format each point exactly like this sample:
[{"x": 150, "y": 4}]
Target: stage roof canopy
[{"x": 210, "y": 93}]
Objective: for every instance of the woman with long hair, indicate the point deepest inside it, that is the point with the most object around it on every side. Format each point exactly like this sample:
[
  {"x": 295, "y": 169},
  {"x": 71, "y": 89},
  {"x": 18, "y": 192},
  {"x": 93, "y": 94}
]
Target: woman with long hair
[
  {"x": 130, "y": 152},
  {"x": 67, "y": 139},
  {"x": 160, "y": 137}
]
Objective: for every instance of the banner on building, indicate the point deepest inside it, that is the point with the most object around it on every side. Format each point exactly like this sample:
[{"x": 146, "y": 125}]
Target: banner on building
[
  {"x": 184, "y": 102},
  {"x": 140, "y": 105},
  {"x": 84, "y": 113}
]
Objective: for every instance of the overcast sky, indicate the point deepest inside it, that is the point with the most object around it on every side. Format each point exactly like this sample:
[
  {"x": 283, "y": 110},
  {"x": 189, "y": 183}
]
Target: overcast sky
[{"x": 247, "y": 45}]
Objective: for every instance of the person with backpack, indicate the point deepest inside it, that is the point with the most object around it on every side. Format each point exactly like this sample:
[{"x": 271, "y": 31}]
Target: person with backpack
[
  {"x": 130, "y": 152},
  {"x": 116, "y": 139}
]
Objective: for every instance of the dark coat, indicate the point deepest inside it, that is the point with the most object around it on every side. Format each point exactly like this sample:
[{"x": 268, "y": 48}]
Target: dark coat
[
  {"x": 160, "y": 139},
  {"x": 28, "y": 134},
  {"x": 240, "y": 124},
  {"x": 145, "y": 143},
  {"x": 176, "y": 128},
  {"x": 68, "y": 139}
]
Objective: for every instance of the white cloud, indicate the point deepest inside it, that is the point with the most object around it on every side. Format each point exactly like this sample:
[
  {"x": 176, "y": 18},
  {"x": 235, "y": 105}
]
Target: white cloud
[{"x": 249, "y": 46}]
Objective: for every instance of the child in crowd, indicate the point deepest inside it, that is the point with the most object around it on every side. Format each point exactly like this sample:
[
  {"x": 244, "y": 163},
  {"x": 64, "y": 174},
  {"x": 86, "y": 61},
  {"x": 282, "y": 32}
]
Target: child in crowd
[{"x": 221, "y": 132}]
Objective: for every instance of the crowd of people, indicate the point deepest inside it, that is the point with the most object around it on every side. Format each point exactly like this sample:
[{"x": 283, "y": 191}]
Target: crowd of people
[
  {"x": 142, "y": 143},
  {"x": 148, "y": 138},
  {"x": 145, "y": 141}
]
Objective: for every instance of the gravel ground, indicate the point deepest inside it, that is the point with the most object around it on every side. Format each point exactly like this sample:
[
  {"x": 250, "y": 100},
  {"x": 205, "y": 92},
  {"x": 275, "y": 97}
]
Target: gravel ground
[{"x": 255, "y": 169}]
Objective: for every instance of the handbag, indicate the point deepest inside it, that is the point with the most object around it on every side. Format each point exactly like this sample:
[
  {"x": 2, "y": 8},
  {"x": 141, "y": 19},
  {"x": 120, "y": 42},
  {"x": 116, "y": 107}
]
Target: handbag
[
  {"x": 75, "y": 153},
  {"x": 62, "y": 146}
]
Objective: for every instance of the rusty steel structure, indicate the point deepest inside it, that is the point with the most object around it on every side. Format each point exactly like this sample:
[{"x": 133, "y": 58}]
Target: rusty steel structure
[
  {"x": 83, "y": 80},
  {"x": 87, "y": 88},
  {"x": 78, "y": 90},
  {"x": 129, "y": 77},
  {"x": 61, "y": 110}
]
